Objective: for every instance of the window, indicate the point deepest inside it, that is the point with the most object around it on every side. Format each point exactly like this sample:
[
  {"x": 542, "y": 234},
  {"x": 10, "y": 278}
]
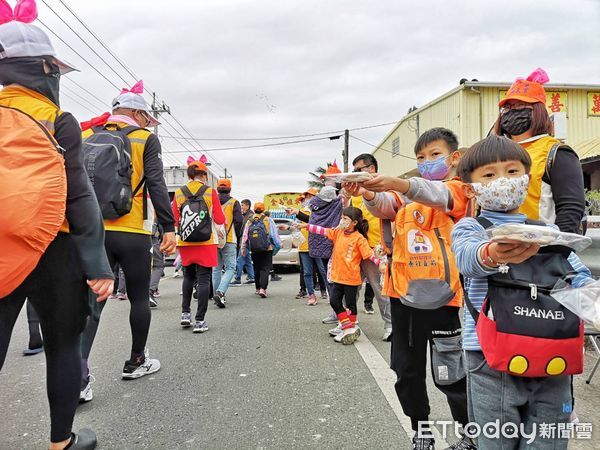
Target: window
[{"x": 395, "y": 147}]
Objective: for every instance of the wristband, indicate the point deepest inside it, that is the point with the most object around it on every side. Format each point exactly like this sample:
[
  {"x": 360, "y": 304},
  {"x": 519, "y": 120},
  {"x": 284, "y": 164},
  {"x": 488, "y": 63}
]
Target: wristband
[{"x": 485, "y": 256}]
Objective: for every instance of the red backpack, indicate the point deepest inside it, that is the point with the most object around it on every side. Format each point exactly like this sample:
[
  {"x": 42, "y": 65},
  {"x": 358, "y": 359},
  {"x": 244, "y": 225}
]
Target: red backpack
[
  {"x": 522, "y": 330},
  {"x": 33, "y": 192}
]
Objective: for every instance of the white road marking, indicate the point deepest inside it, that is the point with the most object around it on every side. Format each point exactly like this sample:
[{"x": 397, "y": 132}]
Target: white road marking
[{"x": 385, "y": 379}]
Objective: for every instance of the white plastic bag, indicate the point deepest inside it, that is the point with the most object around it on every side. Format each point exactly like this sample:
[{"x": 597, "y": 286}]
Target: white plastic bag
[
  {"x": 297, "y": 238},
  {"x": 537, "y": 234},
  {"x": 583, "y": 301},
  {"x": 221, "y": 235}
]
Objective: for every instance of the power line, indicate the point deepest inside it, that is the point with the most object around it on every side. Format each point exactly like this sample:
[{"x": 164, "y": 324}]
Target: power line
[
  {"x": 76, "y": 94},
  {"x": 76, "y": 101},
  {"x": 84, "y": 41},
  {"x": 102, "y": 102},
  {"x": 77, "y": 53},
  {"x": 121, "y": 63},
  {"x": 277, "y": 144},
  {"x": 383, "y": 149}
]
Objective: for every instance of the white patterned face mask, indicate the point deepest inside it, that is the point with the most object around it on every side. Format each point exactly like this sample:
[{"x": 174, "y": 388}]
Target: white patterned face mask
[{"x": 502, "y": 194}]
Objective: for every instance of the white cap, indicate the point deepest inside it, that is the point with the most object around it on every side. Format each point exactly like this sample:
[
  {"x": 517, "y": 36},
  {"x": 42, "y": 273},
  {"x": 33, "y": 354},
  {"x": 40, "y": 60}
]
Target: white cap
[
  {"x": 19, "y": 40},
  {"x": 130, "y": 100}
]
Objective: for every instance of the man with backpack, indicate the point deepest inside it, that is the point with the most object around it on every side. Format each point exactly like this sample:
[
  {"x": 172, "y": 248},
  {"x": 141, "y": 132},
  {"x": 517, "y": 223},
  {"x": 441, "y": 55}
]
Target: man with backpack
[
  {"x": 123, "y": 160},
  {"x": 227, "y": 255},
  {"x": 244, "y": 262},
  {"x": 261, "y": 238},
  {"x": 51, "y": 231}
]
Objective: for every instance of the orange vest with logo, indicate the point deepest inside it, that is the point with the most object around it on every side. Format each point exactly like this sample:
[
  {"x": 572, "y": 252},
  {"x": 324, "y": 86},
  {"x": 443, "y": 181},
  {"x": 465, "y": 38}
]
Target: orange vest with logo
[
  {"x": 180, "y": 198},
  {"x": 422, "y": 259},
  {"x": 228, "y": 212}
]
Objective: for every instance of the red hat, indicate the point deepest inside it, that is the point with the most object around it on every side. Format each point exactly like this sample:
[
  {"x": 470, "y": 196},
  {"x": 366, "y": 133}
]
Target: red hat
[
  {"x": 259, "y": 206},
  {"x": 530, "y": 90}
]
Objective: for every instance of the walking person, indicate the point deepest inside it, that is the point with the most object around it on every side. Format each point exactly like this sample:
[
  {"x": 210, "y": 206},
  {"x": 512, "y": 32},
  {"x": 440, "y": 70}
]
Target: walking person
[
  {"x": 350, "y": 248},
  {"x": 64, "y": 255},
  {"x": 325, "y": 211},
  {"x": 261, "y": 239},
  {"x": 129, "y": 228},
  {"x": 197, "y": 211},
  {"x": 158, "y": 265},
  {"x": 244, "y": 262},
  {"x": 227, "y": 256}
]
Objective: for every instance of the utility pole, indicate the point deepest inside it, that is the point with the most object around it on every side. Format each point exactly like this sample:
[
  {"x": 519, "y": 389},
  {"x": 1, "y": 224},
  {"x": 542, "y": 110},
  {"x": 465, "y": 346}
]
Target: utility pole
[
  {"x": 346, "y": 151},
  {"x": 157, "y": 110},
  {"x": 226, "y": 173}
]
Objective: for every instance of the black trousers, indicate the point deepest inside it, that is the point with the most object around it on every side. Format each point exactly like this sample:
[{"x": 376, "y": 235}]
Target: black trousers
[
  {"x": 132, "y": 252},
  {"x": 57, "y": 289},
  {"x": 341, "y": 292},
  {"x": 201, "y": 276},
  {"x": 263, "y": 262},
  {"x": 414, "y": 329},
  {"x": 369, "y": 295}
]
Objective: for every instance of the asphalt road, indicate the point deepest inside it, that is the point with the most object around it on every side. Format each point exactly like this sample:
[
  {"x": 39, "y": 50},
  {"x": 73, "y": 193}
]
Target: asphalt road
[{"x": 265, "y": 376}]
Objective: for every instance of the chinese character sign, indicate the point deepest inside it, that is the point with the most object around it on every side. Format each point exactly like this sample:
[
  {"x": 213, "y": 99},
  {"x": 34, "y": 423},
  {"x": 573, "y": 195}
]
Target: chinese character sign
[
  {"x": 593, "y": 103},
  {"x": 281, "y": 200},
  {"x": 555, "y": 101}
]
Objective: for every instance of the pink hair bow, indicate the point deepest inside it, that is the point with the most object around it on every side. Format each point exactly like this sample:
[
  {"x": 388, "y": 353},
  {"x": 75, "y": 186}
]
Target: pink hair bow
[
  {"x": 190, "y": 160},
  {"x": 25, "y": 11},
  {"x": 203, "y": 159},
  {"x": 539, "y": 76},
  {"x": 137, "y": 88}
]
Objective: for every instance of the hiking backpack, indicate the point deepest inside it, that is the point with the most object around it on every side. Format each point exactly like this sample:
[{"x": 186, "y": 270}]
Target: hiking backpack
[
  {"x": 522, "y": 329},
  {"x": 195, "y": 223},
  {"x": 33, "y": 192},
  {"x": 259, "y": 239},
  {"x": 107, "y": 160}
]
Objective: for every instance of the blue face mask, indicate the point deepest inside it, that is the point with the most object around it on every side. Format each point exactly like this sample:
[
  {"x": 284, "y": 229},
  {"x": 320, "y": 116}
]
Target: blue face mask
[{"x": 435, "y": 170}]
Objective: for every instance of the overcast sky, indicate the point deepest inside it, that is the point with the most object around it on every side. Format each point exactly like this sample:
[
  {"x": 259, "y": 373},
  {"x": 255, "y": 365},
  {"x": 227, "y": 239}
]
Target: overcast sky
[{"x": 242, "y": 69}]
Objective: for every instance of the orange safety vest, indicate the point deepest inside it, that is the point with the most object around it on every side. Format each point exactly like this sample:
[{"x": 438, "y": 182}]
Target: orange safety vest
[{"x": 228, "y": 212}]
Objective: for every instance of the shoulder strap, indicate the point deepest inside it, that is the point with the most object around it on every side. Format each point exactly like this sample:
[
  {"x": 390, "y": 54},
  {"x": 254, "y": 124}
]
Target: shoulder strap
[
  {"x": 550, "y": 159},
  {"x": 474, "y": 313},
  {"x": 485, "y": 223},
  {"x": 186, "y": 191}
]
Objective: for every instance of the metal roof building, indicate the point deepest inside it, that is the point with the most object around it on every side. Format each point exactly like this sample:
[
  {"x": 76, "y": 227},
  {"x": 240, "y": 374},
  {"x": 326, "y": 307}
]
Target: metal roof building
[{"x": 471, "y": 109}]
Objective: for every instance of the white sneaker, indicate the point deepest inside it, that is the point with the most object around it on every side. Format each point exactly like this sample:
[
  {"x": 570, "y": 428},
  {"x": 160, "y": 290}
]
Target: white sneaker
[
  {"x": 336, "y": 331},
  {"x": 87, "y": 394},
  {"x": 348, "y": 336},
  {"x": 387, "y": 334},
  {"x": 131, "y": 372}
]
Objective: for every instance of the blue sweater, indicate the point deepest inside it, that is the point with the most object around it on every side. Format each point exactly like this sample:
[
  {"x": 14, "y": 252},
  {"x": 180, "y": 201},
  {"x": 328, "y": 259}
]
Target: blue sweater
[{"x": 468, "y": 237}]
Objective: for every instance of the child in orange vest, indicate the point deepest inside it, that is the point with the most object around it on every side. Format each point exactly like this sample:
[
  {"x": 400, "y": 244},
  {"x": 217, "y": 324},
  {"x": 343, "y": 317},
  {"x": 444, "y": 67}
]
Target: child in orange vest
[
  {"x": 423, "y": 281},
  {"x": 350, "y": 247}
]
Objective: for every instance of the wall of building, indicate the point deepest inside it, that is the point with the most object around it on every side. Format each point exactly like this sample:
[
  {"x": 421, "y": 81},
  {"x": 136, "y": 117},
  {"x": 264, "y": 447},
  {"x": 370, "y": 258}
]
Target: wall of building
[{"x": 471, "y": 112}]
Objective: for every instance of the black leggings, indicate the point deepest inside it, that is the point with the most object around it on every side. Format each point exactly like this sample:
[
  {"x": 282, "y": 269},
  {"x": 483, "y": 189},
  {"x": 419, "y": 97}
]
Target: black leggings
[
  {"x": 339, "y": 292},
  {"x": 202, "y": 275},
  {"x": 132, "y": 252},
  {"x": 263, "y": 263},
  {"x": 55, "y": 288}
]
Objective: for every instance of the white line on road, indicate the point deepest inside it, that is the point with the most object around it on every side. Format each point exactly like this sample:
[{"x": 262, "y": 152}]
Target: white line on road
[{"x": 385, "y": 379}]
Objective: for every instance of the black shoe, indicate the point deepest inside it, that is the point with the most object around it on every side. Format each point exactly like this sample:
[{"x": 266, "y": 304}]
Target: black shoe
[
  {"x": 302, "y": 294},
  {"x": 249, "y": 281},
  {"x": 84, "y": 439},
  {"x": 236, "y": 283},
  {"x": 423, "y": 443},
  {"x": 276, "y": 277},
  {"x": 219, "y": 299},
  {"x": 153, "y": 302},
  {"x": 464, "y": 444}
]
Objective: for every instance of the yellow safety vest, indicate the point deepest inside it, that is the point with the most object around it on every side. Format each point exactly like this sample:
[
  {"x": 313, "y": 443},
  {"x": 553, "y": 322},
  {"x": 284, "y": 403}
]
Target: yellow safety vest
[
  {"x": 304, "y": 247},
  {"x": 374, "y": 234},
  {"x": 539, "y": 204},
  {"x": 228, "y": 211},
  {"x": 134, "y": 221}
]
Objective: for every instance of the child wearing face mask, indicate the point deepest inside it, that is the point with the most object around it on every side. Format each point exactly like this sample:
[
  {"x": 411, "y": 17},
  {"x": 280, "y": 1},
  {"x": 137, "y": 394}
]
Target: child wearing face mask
[
  {"x": 350, "y": 248},
  {"x": 496, "y": 174},
  {"x": 423, "y": 282}
]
